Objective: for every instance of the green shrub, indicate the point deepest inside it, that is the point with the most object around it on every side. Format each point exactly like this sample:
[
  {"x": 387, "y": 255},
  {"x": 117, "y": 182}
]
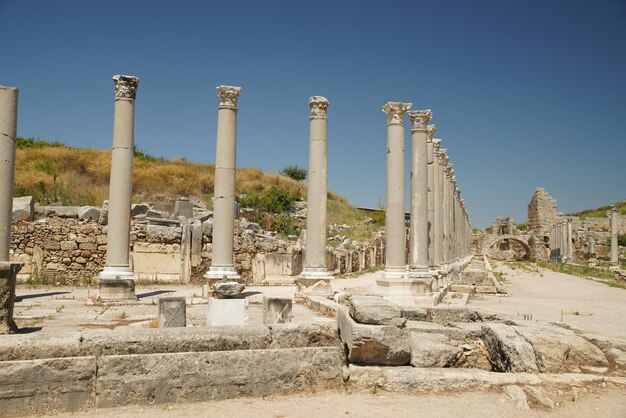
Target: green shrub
[
  {"x": 621, "y": 240},
  {"x": 295, "y": 172},
  {"x": 23, "y": 143},
  {"x": 274, "y": 200},
  {"x": 522, "y": 227}
]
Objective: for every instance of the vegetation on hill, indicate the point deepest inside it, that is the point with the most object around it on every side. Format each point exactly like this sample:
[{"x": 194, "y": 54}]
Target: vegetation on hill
[
  {"x": 52, "y": 171},
  {"x": 601, "y": 211}
]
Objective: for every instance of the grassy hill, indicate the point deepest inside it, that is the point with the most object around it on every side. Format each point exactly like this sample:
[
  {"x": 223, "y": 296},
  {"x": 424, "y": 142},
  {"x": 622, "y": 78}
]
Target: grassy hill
[
  {"x": 51, "y": 172},
  {"x": 601, "y": 211}
]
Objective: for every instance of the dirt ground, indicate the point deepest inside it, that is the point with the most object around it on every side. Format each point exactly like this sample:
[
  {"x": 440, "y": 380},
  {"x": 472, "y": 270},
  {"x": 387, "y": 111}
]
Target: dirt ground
[{"x": 606, "y": 404}]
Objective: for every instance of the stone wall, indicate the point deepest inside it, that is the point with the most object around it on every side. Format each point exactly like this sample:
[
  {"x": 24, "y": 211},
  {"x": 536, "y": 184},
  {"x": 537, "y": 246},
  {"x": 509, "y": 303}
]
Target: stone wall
[{"x": 541, "y": 212}]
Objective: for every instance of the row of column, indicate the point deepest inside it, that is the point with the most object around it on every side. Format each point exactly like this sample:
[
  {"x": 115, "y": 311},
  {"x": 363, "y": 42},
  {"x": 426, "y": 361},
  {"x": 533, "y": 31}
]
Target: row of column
[
  {"x": 439, "y": 224},
  {"x": 561, "y": 240},
  {"x": 614, "y": 261}
]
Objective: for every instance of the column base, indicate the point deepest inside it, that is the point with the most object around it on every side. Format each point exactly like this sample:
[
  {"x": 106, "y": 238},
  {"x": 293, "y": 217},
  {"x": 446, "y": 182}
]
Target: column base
[
  {"x": 312, "y": 275},
  {"x": 395, "y": 273},
  {"x": 217, "y": 273},
  {"x": 420, "y": 273},
  {"x": 8, "y": 277},
  {"x": 613, "y": 265},
  {"x": 117, "y": 284}
]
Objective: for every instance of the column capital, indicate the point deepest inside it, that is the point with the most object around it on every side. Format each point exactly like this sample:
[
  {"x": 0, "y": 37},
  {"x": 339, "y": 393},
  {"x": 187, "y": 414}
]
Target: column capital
[
  {"x": 430, "y": 131},
  {"x": 395, "y": 112},
  {"x": 319, "y": 106},
  {"x": 419, "y": 119},
  {"x": 436, "y": 144},
  {"x": 613, "y": 208},
  {"x": 125, "y": 86},
  {"x": 228, "y": 96}
]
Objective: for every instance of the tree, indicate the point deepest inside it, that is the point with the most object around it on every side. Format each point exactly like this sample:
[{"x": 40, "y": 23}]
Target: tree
[{"x": 294, "y": 172}]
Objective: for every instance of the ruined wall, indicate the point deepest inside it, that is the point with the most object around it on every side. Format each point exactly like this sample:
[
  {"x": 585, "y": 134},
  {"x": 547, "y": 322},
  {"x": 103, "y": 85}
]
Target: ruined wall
[{"x": 542, "y": 212}]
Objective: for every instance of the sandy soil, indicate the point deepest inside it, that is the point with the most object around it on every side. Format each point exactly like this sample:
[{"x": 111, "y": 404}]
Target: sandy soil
[{"x": 608, "y": 403}]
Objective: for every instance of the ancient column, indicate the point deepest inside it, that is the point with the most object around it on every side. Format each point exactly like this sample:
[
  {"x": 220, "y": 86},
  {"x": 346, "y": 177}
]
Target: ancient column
[
  {"x": 315, "y": 255},
  {"x": 418, "y": 233},
  {"x": 224, "y": 205},
  {"x": 570, "y": 249},
  {"x": 8, "y": 133},
  {"x": 117, "y": 279},
  {"x": 430, "y": 153},
  {"x": 438, "y": 175},
  {"x": 395, "y": 238},
  {"x": 614, "y": 250}
]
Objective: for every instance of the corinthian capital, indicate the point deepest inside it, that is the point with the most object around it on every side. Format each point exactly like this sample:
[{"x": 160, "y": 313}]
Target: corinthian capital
[
  {"x": 319, "y": 106},
  {"x": 430, "y": 131},
  {"x": 420, "y": 118},
  {"x": 125, "y": 86},
  {"x": 395, "y": 112},
  {"x": 436, "y": 145},
  {"x": 228, "y": 96}
]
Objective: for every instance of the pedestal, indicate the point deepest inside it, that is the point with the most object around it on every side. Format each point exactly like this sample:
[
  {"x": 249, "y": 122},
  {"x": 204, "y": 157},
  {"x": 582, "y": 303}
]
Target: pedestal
[
  {"x": 117, "y": 284},
  {"x": 8, "y": 275}
]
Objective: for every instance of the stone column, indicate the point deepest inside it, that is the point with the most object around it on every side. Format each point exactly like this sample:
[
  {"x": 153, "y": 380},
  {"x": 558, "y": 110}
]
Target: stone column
[
  {"x": 315, "y": 256},
  {"x": 614, "y": 250},
  {"x": 224, "y": 205},
  {"x": 570, "y": 246},
  {"x": 430, "y": 152},
  {"x": 395, "y": 245},
  {"x": 117, "y": 279},
  {"x": 8, "y": 133},
  {"x": 438, "y": 175},
  {"x": 418, "y": 234}
]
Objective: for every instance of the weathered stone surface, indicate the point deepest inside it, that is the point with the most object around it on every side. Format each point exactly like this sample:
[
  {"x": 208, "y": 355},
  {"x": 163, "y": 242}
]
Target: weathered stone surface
[
  {"x": 304, "y": 335},
  {"x": 508, "y": 351},
  {"x": 445, "y": 315},
  {"x": 385, "y": 345},
  {"x": 432, "y": 328},
  {"x": 8, "y": 276},
  {"x": 227, "y": 312},
  {"x": 59, "y": 211},
  {"x": 48, "y": 386},
  {"x": 139, "y": 209},
  {"x": 172, "y": 312},
  {"x": 415, "y": 314},
  {"x": 277, "y": 310},
  {"x": 227, "y": 288},
  {"x": 166, "y": 234},
  {"x": 164, "y": 378},
  {"x": 557, "y": 349},
  {"x": 427, "y": 351},
  {"x": 605, "y": 343},
  {"x": 174, "y": 340},
  {"x": 39, "y": 346},
  {"x": 373, "y": 310},
  {"x": 320, "y": 288},
  {"x": 617, "y": 356},
  {"x": 88, "y": 213},
  {"x": 518, "y": 396},
  {"x": 104, "y": 213},
  {"x": 23, "y": 208},
  {"x": 539, "y": 396}
]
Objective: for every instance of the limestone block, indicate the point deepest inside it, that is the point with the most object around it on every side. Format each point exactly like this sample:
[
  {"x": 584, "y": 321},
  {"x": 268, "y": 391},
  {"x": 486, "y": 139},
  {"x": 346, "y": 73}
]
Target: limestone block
[
  {"x": 429, "y": 351},
  {"x": 8, "y": 276},
  {"x": 518, "y": 396},
  {"x": 196, "y": 243},
  {"x": 38, "y": 346},
  {"x": 157, "y": 263},
  {"x": 23, "y": 208},
  {"x": 414, "y": 314},
  {"x": 558, "y": 350},
  {"x": 373, "y": 310},
  {"x": 207, "y": 227},
  {"x": 184, "y": 207},
  {"x": 60, "y": 211},
  {"x": 104, "y": 213},
  {"x": 162, "y": 233},
  {"x": 385, "y": 345},
  {"x": 189, "y": 377},
  {"x": 172, "y": 312},
  {"x": 47, "y": 386},
  {"x": 203, "y": 216},
  {"x": 444, "y": 315},
  {"x": 88, "y": 213},
  {"x": 139, "y": 209},
  {"x": 227, "y": 312},
  {"x": 304, "y": 335},
  {"x": 320, "y": 288},
  {"x": 173, "y": 340},
  {"x": 68, "y": 245},
  {"x": 276, "y": 310},
  {"x": 508, "y": 351}
]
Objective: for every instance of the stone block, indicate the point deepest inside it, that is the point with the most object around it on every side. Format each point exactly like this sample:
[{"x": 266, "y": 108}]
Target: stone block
[
  {"x": 227, "y": 312},
  {"x": 39, "y": 346},
  {"x": 508, "y": 351},
  {"x": 47, "y": 386},
  {"x": 174, "y": 340},
  {"x": 59, "y": 211},
  {"x": 172, "y": 312},
  {"x": 68, "y": 245},
  {"x": 414, "y": 314},
  {"x": 444, "y": 315},
  {"x": 139, "y": 209},
  {"x": 162, "y": 233},
  {"x": 373, "y": 310},
  {"x": 380, "y": 345},
  {"x": 88, "y": 213},
  {"x": 184, "y": 207},
  {"x": 276, "y": 310},
  {"x": 23, "y": 208},
  {"x": 226, "y": 288},
  {"x": 304, "y": 335},
  {"x": 189, "y": 377},
  {"x": 429, "y": 351},
  {"x": 8, "y": 277}
]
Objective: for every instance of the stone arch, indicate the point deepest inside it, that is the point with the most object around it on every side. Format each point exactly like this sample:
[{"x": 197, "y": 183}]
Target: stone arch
[{"x": 509, "y": 248}]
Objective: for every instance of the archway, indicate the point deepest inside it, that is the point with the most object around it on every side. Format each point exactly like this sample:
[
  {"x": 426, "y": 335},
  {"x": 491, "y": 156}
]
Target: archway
[{"x": 509, "y": 249}]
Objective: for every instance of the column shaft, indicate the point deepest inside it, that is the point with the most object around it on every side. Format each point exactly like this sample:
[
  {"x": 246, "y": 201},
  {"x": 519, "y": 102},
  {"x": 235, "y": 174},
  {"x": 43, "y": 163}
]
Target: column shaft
[
  {"x": 8, "y": 133},
  {"x": 224, "y": 204},
  {"x": 430, "y": 176},
  {"x": 614, "y": 250},
  {"x": 438, "y": 174}
]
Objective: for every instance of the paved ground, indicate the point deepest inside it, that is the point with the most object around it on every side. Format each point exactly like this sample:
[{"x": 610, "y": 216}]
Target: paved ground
[
  {"x": 557, "y": 297},
  {"x": 495, "y": 404}
]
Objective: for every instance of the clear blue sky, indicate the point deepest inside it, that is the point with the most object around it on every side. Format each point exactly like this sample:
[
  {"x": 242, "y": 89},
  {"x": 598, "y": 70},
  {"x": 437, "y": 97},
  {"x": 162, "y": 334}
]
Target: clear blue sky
[{"x": 524, "y": 93}]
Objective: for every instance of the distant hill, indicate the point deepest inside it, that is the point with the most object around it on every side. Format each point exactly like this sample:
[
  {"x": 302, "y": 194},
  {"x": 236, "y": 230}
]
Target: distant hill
[{"x": 601, "y": 211}]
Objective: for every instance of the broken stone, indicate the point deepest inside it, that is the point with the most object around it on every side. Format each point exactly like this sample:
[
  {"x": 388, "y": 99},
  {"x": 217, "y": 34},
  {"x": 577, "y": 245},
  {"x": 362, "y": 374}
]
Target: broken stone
[
  {"x": 508, "y": 351},
  {"x": 320, "y": 288},
  {"x": 227, "y": 289},
  {"x": 276, "y": 310},
  {"x": 23, "y": 208},
  {"x": 518, "y": 396},
  {"x": 373, "y": 310},
  {"x": 426, "y": 351},
  {"x": 139, "y": 209},
  {"x": 88, "y": 213},
  {"x": 538, "y": 396}
]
